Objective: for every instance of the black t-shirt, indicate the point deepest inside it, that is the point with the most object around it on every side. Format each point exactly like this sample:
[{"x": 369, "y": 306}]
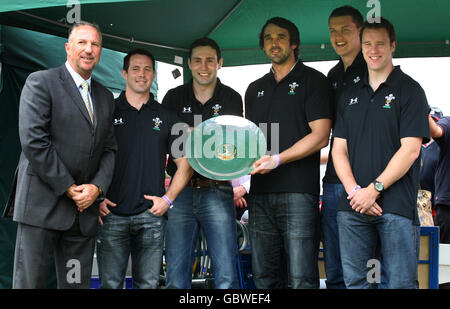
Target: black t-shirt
[
  {"x": 339, "y": 81},
  {"x": 143, "y": 138},
  {"x": 301, "y": 97},
  {"x": 429, "y": 163},
  {"x": 373, "y": 123},
  {"x": 181, "y": 100},
  {"x": 442, "y": 180}
]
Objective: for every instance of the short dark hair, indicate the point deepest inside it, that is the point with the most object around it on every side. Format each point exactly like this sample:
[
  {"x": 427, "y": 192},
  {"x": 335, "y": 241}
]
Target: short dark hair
[
  {"x": 383, "y": 24},
  {"x": 281, "y": 22},
  {"x": 348, "y": 10},
  {"x": 137, "y": 51},
  {"x": 206, "y": 42},
  {"x": 84, "y": 23}
]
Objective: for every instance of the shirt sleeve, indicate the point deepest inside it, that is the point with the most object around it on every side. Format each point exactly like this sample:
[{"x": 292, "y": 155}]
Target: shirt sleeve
[
  {"x": 444, "y": 123},
  {"x": 414, "y": 115},
  {"x": 247, "y": 102},
  {"x": 339, "y": 126},
  {"x": 169, "y": 101},
  {"x": 179, "y": 132},
  {"x": 238, "y": 105},
  {"x": 318, "y": 102}
]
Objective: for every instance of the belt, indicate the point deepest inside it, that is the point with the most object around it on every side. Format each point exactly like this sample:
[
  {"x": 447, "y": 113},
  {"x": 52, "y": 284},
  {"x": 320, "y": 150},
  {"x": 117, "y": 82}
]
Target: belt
[{"x": 204, "y": 183}]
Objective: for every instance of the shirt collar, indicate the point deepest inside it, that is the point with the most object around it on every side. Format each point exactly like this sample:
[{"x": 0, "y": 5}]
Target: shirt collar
[
  {"x": 124, "y": 104},
  {"x": 273, "y": 72},
  {"x": 215, "y": 93},
  {"x": 392, "y": 80},
  {"x": 358, "y": 63},
  {"x": 297, "y": 67},
  {"x": 77, "y": 77}
]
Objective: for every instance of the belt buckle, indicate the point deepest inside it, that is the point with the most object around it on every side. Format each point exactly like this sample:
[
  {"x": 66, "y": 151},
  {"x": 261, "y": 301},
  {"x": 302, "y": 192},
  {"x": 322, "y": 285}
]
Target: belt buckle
[{"x": 196, "y": 184}]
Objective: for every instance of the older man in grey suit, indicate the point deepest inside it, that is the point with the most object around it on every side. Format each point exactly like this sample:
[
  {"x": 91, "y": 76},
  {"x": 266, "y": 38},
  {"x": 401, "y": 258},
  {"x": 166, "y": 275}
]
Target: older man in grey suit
[{"x": 67, "y": 160}]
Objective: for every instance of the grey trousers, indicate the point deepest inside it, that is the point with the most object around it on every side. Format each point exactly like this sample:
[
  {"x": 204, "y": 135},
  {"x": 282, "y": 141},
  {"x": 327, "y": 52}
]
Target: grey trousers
[{"x": 35, "y": 247}]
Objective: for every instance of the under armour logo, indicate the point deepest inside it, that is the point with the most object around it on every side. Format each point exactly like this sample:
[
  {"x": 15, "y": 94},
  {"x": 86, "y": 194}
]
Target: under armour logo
[
  {"x": 118, "y": 121},
  {"x": 353, "y": 101}
]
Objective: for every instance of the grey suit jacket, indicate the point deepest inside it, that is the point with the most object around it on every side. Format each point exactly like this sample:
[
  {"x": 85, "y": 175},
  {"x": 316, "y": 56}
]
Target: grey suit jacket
[{"x": 60, "y": 147}]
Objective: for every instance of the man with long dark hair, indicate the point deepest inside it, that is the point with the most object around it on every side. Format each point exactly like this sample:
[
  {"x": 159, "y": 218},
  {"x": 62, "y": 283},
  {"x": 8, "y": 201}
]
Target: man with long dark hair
[{"x": 284, "y": 192}]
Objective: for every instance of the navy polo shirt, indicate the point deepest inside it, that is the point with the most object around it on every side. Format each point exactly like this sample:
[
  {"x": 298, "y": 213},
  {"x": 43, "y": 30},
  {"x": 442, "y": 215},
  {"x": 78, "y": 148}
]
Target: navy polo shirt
[
  {"x": 300, "y": 97},
  {"x": 429, "y": 163},
  {"x": 340, "y": 80},
  {"x": 143, "y": 138},
  {"x": 181, "y": 100},
  {"x": 442, "y": 180},
  {"x": 373, "y": 124}
]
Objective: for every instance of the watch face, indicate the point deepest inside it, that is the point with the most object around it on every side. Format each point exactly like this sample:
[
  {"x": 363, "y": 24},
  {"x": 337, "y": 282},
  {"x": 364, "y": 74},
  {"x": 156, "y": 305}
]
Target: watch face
[{"x": 378, "y": 186}]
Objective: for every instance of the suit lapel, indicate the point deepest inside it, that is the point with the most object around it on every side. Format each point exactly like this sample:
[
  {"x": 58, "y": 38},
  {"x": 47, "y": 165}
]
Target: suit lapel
[{"x": 73, "y": 92}]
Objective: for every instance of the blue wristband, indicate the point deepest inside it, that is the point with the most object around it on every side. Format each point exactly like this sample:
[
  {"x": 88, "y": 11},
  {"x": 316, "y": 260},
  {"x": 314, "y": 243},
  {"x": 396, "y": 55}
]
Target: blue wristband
[
  {"x": 277, "y": 156},
  {"x": 164, "y": 197},
  {"x": 357, "y": 187}
]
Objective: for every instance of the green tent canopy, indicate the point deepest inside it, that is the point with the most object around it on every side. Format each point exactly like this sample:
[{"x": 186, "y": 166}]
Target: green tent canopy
[{"x": 167, "y": 27}]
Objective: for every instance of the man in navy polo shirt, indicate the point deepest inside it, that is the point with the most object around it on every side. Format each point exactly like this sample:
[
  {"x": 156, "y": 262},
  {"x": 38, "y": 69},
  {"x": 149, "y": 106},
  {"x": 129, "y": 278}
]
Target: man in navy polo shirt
[
  {"x": 132, "y": 213},
  {"x": 381, "y": 123},
  {"x": 204, "y": 203},
  {"x": 284, "y": 193},
  {"x": 344, "y": 24}
]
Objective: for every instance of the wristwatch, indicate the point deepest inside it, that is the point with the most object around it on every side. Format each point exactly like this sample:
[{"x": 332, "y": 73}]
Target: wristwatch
[
  {"x": 378, "y": 185},
  {"x": 101, "y": 196}
]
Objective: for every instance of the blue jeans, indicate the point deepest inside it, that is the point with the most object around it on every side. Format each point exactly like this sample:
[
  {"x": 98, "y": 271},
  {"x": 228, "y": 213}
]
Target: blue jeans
[
  {"x": 140, "y": 235},
  {"x": 359, "y": 233},
  {"x": 212, "y": 209},
  {"x": 284, "y": 237},
  {"x": 330, "y": 235}
]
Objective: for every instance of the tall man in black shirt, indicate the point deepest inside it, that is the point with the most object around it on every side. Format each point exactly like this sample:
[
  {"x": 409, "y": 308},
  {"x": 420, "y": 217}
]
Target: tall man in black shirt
[
  {"x": 345, "y": 24},
  {"x": 381, "y": 123},
  {"x": 284, "y": 192},
  {"x": 136, "y": 201},
  {"x": 204, "y": 203}
]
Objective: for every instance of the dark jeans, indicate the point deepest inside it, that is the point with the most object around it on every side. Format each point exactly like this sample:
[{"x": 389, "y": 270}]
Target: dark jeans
[
  {"x": 359, "y": 235},
  {"x": 330, "y": 235},
  {"x": 284, "y": 237},
  {"x": 213, "y": 210},
  {"x": 140, "y": 235}
]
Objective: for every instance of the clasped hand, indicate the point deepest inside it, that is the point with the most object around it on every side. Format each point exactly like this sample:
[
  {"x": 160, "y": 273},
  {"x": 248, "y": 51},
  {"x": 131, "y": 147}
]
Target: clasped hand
[
  {"x": 83, "y": 195},
  {"x": 364, "y": 201}
]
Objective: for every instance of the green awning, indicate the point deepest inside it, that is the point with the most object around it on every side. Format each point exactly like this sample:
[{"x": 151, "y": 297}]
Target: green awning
[{"x": 167, "y": 27}]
